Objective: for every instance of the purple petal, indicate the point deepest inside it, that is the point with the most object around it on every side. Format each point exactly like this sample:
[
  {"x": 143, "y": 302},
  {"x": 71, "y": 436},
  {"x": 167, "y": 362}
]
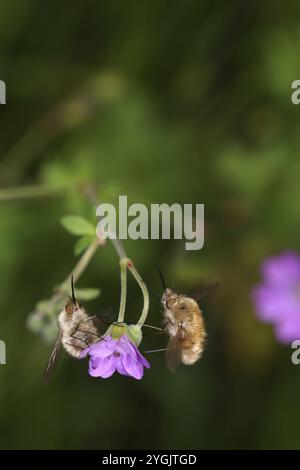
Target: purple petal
[
  {"x": 274, "y": 304},
  {"x": 102, "y": 367},
  {"x": 140, "y": 357},
  {"x": 123, "y": 345},
  {"x": 119, "y": 366},
  {"x": 103, "y": 348},
  {"x": 288, "y": 331},
  {"x": 109, "y": 355},
  {"x": 133, "y": 368},
  {"x": 282, "y": 270},
  {"x": 134, "y": 352},
  {"x": 277, "y": 299}
]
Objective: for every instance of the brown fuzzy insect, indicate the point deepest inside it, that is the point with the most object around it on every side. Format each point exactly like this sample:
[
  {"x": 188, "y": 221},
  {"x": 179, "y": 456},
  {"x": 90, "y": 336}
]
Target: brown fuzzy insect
[
  {"x": 184, "y": 323},
  {"x": 77, "y": 331}
]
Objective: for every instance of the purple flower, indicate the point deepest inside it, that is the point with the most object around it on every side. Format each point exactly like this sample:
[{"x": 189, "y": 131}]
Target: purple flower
[
  {"x": 277, "y": 298},
  {"x": 109, "y": 355}
]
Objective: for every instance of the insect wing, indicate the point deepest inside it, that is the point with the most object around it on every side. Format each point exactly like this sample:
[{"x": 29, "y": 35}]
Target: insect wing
[
  {"x": 54, "y": 358},
  {"x": 202, "y": 293},
  {"x": 101, "y": 323},
  {"x": 173, "y": 351}
]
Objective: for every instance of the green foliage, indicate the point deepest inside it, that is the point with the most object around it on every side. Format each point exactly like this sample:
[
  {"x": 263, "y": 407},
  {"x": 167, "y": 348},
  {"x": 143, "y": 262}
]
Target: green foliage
[
  {"x": 77, "y": 225},
  {"x": 87, "y": 294}
]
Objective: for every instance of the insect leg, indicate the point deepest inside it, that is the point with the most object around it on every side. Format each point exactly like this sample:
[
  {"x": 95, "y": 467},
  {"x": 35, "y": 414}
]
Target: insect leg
[
  {"x": 77, "y": 347},
  {"x": 79, "y": 339},
  {"x": 154, "y": 351},
  {"x": 88, "y": 333},
  {"x": 159, "y": 331},
  {"x": 153, "y": 327},
  {"x": 95, "y": 317}
]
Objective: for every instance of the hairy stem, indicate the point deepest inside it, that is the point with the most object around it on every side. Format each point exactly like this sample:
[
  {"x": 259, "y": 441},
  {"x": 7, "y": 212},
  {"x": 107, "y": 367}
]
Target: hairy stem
[
  {"x": 144, "y": 290},
  {"x": 123, "y": 267}
]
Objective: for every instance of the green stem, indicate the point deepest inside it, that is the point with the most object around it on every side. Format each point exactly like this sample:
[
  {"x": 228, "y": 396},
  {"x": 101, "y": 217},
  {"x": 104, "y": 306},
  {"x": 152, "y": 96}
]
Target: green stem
[
  {"x": 124, "y": 264},
  {"x": 144, "y": 290},
  {"x": 123, "y": 267},
  {"x": 27, "y": 192},
  {"x": 80, "y": 267}
]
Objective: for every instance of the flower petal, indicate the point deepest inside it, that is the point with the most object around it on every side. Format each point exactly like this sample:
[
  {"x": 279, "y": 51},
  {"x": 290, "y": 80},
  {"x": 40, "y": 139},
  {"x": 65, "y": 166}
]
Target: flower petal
[
  {"x": 102, "y": 348},
  {"x": 122, "y": 345},
  {"x": 277, "y": 299},
  {"x": 102, "y": 367},
  {"x": 282, "y": 270},
  {"x": 109, "y": 355},
  {"x": 275, "y": 304},
  {"x": 133, "y": 368},
  {"x": 288, "y": 331},
  {"x": 119, "y": 366},
  {"x": 140, "y": 357}
]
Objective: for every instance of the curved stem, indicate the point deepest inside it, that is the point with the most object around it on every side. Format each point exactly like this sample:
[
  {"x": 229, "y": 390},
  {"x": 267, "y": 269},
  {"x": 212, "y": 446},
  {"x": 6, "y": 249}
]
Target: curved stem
[
  {"x": 125, "y": 263},
  {"x": 123, "y": 266},
  {"x": 144, "y": 290}
]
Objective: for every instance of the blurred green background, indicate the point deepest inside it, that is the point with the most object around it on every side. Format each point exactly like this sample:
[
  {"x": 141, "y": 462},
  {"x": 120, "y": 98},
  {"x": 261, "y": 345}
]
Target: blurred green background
[{"x": 163, "y": 101}]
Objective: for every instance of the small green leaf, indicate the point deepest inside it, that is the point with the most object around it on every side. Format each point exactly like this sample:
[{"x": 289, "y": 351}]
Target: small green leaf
[
  {"x": 82, "y": 243},
  {"x": 78, "y": 225},
  {"x": 87, "y": 294}
]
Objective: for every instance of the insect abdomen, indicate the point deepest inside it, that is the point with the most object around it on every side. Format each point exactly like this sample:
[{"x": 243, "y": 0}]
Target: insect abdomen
[
  {"x": 193, "y": 342},
  {"x": 191, "y": 351}
]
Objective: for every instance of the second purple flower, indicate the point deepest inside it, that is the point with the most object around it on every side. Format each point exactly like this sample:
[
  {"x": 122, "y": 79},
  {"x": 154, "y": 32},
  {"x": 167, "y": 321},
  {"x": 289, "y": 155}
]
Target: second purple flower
[{"x": 277, "y": 298}]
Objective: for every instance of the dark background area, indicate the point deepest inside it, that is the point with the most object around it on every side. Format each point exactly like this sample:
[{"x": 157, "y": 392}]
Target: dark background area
[{"x": 163, "y": 101}]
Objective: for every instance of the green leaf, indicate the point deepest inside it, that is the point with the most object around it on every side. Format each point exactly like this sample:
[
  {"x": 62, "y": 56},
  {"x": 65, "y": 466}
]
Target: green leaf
[
  {"x": 87, "y": 294},
  {"x": 78, "y": 225},
  {"x": 82, "y": 243}
]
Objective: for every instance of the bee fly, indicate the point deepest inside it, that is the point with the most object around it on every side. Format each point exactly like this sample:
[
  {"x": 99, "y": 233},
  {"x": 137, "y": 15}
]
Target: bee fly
[
  {"x": 77, "y": 331},
  {"x": 184, "y": 323}
]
